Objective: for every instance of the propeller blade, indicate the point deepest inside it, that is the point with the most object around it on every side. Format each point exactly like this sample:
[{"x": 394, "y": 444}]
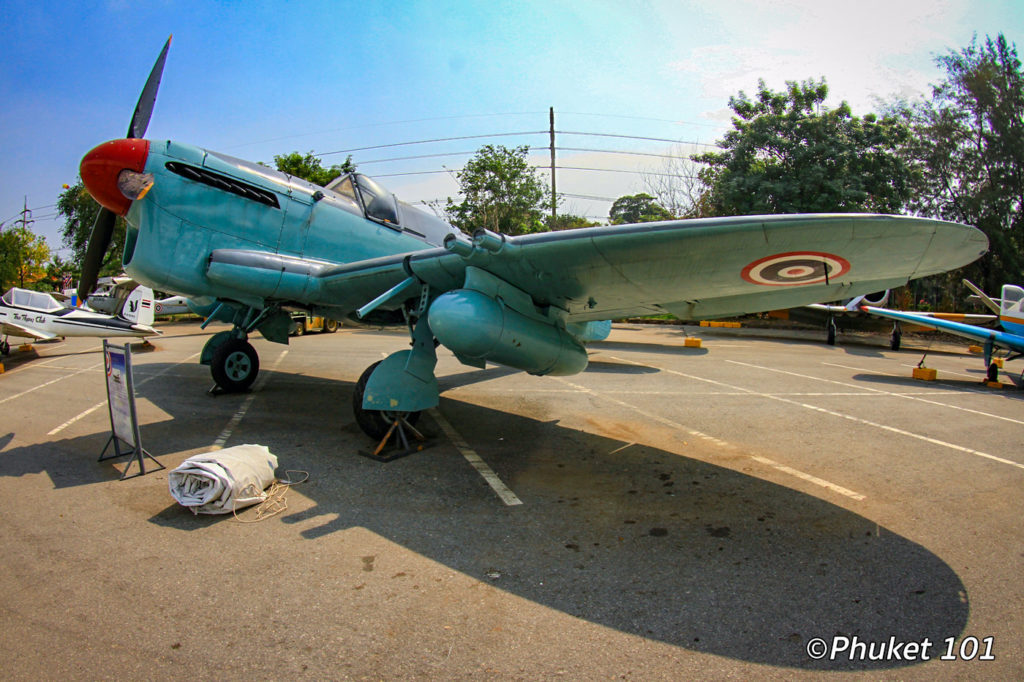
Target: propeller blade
[
  {"x": 99, "y": 242},
  {"x": 144, "y": 109}
]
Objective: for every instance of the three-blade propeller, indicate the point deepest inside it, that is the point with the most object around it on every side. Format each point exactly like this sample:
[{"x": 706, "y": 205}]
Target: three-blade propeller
[{"x": 103, "y": 228}]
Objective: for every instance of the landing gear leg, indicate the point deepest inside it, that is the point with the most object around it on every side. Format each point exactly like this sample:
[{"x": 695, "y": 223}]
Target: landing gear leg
[
  {"x": 5, "y": 347},
  {"x": 830, "y": 338},
  {"x": 895, "y": 337}
]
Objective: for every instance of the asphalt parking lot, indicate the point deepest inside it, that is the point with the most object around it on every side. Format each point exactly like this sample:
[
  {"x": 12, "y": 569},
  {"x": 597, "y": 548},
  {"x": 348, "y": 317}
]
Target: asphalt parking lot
[{"x": 753, "y": 507}]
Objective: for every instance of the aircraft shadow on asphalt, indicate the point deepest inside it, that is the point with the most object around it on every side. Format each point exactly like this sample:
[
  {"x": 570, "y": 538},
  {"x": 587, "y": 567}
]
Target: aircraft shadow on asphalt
[{"x": 643, "y": 540}]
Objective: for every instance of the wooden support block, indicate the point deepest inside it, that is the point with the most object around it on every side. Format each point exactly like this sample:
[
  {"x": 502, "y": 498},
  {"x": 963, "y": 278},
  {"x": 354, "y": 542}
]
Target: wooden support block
[
  {"x": 705, "y": 323},
  {"x": 978, "y": 350},
  {"x": 26, "y": 348},
  {"x": 998, "y": 362},
  {"x": 691, "y": 342},
  {"x": 994, "y": 384},
  {"x": 925, "y": 373}
]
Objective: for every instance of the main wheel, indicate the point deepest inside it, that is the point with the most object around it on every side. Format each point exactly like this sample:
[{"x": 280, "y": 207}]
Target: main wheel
[
  {"x": 235, "y": 365},
  {"x": 5, "y": 348},
  {"x": 993, "y": 373},
  {"x": 894, "y": 340},
  {"x": 830, "y": 338},
  {"x": 375, "y": 423},
  {"x": 299, "y": 327},
  {"x": 330, "y": 326}
]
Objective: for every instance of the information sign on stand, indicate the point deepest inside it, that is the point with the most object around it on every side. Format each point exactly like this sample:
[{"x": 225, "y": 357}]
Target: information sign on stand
[{"x": 124, "y": 424}]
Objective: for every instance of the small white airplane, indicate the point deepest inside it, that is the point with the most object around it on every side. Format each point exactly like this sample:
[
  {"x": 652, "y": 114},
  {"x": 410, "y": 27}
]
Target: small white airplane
[{"x": 37, "y": 315}]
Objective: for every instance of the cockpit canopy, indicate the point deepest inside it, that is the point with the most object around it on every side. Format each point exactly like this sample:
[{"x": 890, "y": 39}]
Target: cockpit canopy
[
  {"x": 380, "y": 205},
  {"x": 34, "y": 300}
]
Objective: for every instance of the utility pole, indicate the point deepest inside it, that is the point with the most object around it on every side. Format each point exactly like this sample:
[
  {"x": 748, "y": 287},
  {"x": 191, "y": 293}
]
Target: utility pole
[
  {"x": 554, "y": 196},
  {"x": 26, "y": 215}
]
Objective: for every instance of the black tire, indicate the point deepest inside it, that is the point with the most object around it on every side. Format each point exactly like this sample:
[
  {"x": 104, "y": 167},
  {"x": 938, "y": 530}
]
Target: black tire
[
  {"x": 894, "y": 340},
  {"x": 993, "y": 373},
  {"x": 375, "y": 423},
  {"x": 830, "y": 337},
  {"x": 300, "y": 327},
  {"x": 330, "y": 326},
  {"x": 235, "y": 365},
  {"x": 5, "y": 348}
]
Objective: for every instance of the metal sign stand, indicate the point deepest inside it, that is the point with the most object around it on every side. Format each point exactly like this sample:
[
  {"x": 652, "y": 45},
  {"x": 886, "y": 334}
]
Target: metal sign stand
[{"x": 124, "y": 424}]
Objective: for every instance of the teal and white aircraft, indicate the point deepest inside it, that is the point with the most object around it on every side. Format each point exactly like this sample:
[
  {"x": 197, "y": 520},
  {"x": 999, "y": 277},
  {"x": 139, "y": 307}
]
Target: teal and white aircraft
[
  {"x": 1009, "y": 308},
  {"x": 248, "y": 244}
]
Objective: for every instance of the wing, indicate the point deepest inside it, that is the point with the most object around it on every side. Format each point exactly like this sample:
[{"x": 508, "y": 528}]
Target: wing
[
  {"x": 998, "y": 338},
  {"x": 695, "y": 269},
  {"x": 8, "y": 327}
]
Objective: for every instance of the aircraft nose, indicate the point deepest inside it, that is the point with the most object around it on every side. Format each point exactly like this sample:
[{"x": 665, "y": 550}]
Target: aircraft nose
[{"x": 101, "y": 168}]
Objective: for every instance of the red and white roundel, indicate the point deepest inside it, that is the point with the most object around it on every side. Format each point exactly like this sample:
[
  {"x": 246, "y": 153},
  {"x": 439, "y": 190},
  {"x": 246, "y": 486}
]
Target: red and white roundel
[{"x": 795, "y": 268}]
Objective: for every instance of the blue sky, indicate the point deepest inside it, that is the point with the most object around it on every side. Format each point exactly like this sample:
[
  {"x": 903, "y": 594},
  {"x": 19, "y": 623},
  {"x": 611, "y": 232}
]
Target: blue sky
[{"x": 255, "y": 79}]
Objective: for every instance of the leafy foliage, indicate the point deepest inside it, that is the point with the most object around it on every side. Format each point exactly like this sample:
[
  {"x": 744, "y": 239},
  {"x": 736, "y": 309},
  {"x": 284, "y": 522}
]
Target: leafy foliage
[
  {"x": 969, "y": 145},
  {"x": 637, "y": 208},
  {"x": 310, "y": 168},
  {"x": 787, "y": 153},
  {"x": 501, "y": 192},
  {"x": 23, "y": 257},
  {"x": 565, "y": 221},
  {"x": 79, "y": 210}
]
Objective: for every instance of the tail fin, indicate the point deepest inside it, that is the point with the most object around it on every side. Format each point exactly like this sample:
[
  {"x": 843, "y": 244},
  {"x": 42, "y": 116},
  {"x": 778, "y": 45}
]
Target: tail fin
[
  {"x": 989, "y": 303},
  {"x": 138, "y": 307}
]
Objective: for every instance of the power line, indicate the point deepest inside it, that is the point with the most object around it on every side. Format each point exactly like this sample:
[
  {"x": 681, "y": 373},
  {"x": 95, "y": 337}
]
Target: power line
[{"x": 439, "y": 139}]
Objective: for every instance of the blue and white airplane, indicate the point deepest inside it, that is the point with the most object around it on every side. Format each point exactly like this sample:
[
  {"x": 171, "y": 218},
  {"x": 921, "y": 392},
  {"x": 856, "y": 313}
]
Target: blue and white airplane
[{"x": 1010, "y": 309}]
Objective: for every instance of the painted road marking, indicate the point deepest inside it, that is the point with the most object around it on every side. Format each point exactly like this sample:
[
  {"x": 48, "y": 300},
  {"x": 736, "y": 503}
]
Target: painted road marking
[
  {"x": 717, "y": 441},
  {"x": 246, "y": 404},
  {"x": 100, "y": 404},
  {"x": 876, "y": 391},
  {"x": 492, "y": 479},
  {"x": 48, "y": 383},
  {"x": 858, "y": 420}
]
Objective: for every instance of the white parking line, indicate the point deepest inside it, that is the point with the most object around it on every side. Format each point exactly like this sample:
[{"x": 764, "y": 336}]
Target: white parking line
[
  {"x": 908, "y": 396},
  {"x": 717, "y": 441},
  {"x": 50, "y": 382},
  {"x": 244, "y": 407},
  {"x": 497, "y": 485},
  {"x": 100, "y": 404},
  {"x": 865, "y": 422}
]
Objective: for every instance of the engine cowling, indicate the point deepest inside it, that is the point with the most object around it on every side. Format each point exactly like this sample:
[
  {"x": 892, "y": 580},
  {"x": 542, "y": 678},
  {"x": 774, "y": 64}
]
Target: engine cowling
[
  {"x": 877, "y": 299},
  {"x": 477, "y": 327}
]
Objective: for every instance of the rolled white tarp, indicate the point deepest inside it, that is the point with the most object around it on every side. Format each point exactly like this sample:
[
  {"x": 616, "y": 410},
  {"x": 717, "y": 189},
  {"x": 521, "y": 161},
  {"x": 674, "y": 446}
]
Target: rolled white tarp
[{"x": 222, "y": 481}]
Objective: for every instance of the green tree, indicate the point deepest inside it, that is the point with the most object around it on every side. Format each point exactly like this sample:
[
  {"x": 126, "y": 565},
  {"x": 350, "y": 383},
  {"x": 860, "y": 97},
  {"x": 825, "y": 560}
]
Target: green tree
[
  {"x": 310, "y": 168},
  {"x": 23, "y": 256},
  {"x": 969, "y": 143},
  {"x": 501, "y": 192},
  {"x": 79, "y": 211},
  {"x": 565, "y": 221},
  {"x": 787, "y": 153},
  {"x": 637, "y": 208}
]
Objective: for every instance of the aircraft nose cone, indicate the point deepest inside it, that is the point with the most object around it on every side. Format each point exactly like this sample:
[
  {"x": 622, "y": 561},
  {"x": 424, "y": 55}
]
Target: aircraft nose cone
[{"x": 101, "y": 166}]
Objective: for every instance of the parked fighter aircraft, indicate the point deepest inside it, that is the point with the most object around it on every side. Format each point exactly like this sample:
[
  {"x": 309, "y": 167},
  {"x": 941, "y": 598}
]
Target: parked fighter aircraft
[
  {"x": 1011, "y": 318},
  {"x": 250, "y": 243},
  {"x": 35, "y": 315}
]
